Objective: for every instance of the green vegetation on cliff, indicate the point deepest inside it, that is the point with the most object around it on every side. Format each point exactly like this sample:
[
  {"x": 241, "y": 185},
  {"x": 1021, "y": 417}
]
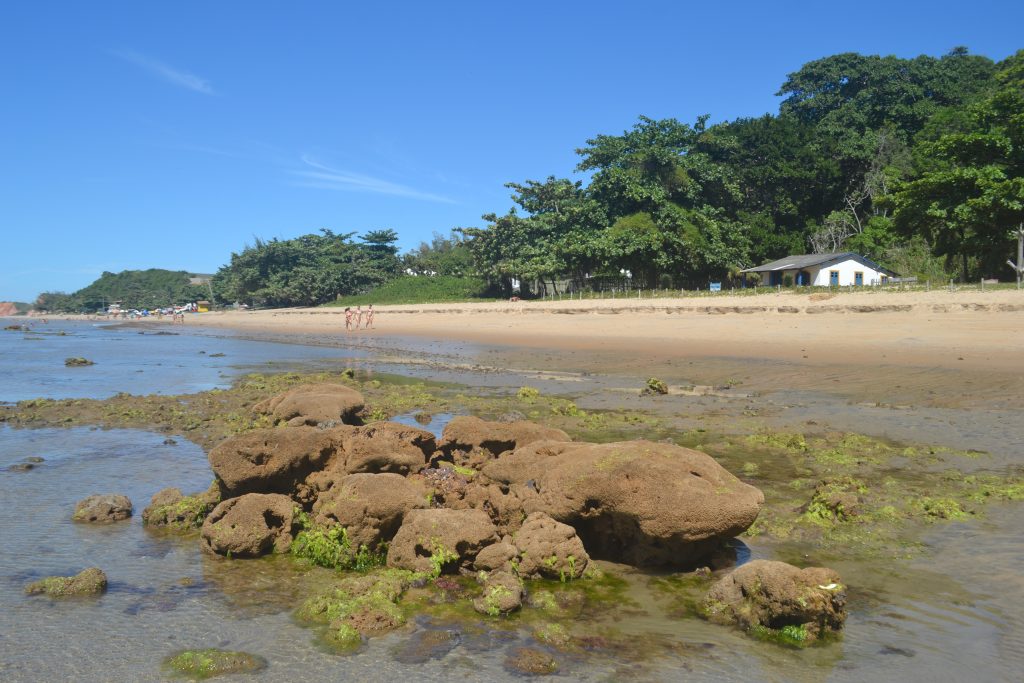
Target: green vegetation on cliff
[
  {"x": 132, "y": 288},
  {"x": 420, "y": 289}
]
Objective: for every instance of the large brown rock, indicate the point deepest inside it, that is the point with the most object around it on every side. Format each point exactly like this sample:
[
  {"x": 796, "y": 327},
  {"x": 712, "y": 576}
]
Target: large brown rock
[
  {"x": 550, "y": 549},
  {"x": 313, "y": 404},
  {"x": 382, "y": 447},
  {"x": 441, "y": 539},
  {"x": 170, "y": 508},
  {"x": 103, "y": 509},
  {"x": 497, "y": 556},
  {"x": 273, "y": 460},
  {"x": 371, "y": 507},
  {"x": 773, "y": 595},
  {"x": 637, "y": 502},
  {"x": 470, "y": 434},
  {"x": 250, "y": 525}
]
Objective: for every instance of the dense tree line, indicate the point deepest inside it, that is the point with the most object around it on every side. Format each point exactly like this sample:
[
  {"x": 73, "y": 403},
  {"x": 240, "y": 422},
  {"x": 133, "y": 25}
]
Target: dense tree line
[
  {"x": 916, "y": 162},
  {"x": 308, "y": 270},
  {"x": 131, "y": 288}
]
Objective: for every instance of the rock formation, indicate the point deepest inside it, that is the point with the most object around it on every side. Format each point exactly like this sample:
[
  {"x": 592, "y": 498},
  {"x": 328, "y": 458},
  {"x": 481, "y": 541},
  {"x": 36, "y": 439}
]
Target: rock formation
[
  {"x": 637, "y": 502},
  {"x": 250, "y": 525},
  {"x": 312, "y": 404},
  {"x": 801, "y": 604},
  {"x": 103, "y": 509}
]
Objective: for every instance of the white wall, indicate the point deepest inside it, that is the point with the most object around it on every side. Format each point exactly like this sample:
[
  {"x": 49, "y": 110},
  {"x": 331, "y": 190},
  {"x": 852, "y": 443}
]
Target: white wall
[{"x": 846, "y": 274}]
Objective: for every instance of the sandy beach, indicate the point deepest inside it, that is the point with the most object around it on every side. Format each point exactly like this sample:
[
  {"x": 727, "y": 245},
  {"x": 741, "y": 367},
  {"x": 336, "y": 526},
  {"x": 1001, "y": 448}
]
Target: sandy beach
[{"x": 866, "y": 336}]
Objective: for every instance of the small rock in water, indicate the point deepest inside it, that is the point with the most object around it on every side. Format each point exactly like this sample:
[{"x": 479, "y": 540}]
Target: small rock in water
[
  {"x": 103, "y": 509},
  {"x": 210, "y": 662},
  {"x": 216, "y": 355},
  {"x": 429, "y": 644},
  {"x": 77, "y": 362},
  {"x": 777, "y": 601},
  {"x": 170, "y": 442},
  {"x": 34, "y": 459},
  {"x": 530, "y": 661},
  {"x": 91, "y": 581},
  {"x": 21, "y": 467}
]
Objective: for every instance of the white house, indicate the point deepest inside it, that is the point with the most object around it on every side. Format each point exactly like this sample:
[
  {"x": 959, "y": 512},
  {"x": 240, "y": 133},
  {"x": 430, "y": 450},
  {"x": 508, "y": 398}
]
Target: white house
[{"x": 824, "y": 270}]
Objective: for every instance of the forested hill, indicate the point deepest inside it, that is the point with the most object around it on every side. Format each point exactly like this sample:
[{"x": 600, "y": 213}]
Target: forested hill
[{"x": 133, "y": 288}]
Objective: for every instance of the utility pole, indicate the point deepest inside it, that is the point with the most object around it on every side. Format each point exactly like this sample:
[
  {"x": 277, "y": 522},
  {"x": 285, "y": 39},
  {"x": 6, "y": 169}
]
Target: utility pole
[{"x": 1018, "y": 267}]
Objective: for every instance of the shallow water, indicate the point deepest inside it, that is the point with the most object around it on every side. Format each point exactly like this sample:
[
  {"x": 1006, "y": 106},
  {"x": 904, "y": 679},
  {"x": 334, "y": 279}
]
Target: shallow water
[
  {"x": 952, "y": 615},
  {"x": 162, "y": 360}
]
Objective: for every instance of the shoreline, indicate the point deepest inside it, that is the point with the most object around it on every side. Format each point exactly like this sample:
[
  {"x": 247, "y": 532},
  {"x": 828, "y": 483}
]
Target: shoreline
[{"x": 885, "y": 346}]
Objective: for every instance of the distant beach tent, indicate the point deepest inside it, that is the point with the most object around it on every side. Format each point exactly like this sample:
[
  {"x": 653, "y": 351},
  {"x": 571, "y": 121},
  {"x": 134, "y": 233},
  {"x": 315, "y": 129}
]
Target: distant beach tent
[
  {"x": 203, "y": 306},
  {"x": 824, "y": 270}
]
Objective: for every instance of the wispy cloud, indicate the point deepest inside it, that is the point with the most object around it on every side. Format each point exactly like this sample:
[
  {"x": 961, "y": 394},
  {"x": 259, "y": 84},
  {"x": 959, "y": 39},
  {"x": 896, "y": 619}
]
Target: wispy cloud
[
  {"x": 182, "y": 79},
  {"x": 327, "y": 178}
]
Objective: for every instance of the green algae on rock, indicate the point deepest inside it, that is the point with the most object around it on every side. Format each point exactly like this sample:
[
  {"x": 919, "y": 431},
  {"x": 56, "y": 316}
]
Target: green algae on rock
[
  {"x": 207, "y": 663},
  {"x": 366, "y": 604},
  {"x": 779, "y": 602},
  {"x": 169, "y": 508},
  {"x": 531, "y": 662},
  {"x": 102, "y": 509},
  {"x": 91, "y": 581},
  {"x": 502, "y": 593}
]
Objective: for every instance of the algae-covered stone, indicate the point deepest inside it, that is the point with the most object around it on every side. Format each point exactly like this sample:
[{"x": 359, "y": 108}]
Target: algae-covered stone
[
  {"x": 211, "y": 662},
  {"x": 344, "y": 638},
  {"x": 777, "y": 601},
  {"x": 530, "y": 661},
  {"x": 103, "y": 509},
  {"x": 550, "y": 549},
  {"x": 553, "y": 634},
  {"x": 77, "y": 362},
  {"x": 365, "y": 603},
  {"x": 503, "y": 593},
  {"x": 170, "y": 508},
  {"x": 428, "y": 644},
  {"x": 91, "y": 581}
]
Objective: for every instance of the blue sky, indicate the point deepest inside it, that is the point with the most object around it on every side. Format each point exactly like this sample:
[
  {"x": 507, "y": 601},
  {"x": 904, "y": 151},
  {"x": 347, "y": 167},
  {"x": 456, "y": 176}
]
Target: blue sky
[{"x": 169, "y": 134}]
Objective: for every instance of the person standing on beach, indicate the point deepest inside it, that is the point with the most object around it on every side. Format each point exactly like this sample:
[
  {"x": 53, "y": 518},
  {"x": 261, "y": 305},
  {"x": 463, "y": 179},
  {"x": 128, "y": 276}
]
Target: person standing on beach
[
  {"x": 369, "y": 317},
  {"x": 359, "y": 316},
  {"x": 348, "y": 318}
]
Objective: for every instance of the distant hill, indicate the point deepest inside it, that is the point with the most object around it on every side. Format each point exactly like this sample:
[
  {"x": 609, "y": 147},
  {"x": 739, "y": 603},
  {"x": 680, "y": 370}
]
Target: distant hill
[{"x": 132, "y": 289}]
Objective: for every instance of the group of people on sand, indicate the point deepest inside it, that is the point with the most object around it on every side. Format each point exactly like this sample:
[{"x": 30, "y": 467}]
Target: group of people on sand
[{"x": 354, "y": 319}]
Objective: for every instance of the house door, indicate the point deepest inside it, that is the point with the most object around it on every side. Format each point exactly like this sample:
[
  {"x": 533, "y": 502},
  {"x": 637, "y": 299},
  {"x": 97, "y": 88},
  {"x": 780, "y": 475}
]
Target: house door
[
  {"x": 833, "y": 278},
  {"x": 775, "y": 278},
  {"x": 858, "y": 279}
]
